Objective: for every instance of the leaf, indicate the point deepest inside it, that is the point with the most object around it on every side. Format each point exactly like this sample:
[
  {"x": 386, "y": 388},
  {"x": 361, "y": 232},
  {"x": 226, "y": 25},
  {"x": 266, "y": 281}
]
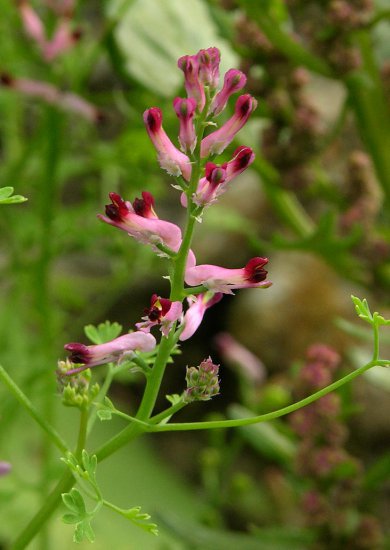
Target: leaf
[
  {"x": 362, "y": 309},
  {"x": 78, "y": 500},
  {"x": 70, "y": 518},
  {"x": 186, "y": 28},
  {"x": 103, "y": 333},
  {"x": 104, "y": 414},
  {"x": 6, "y": 192},
  {"x": 140, "y": 519},
  {"x": 264, "y": 437},
  {"x": 67, "y": 499},
  {"x": 7, "y": 198}
]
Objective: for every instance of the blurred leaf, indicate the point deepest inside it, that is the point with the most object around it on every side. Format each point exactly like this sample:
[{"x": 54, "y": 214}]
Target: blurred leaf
[
  {"x": 264, "y": 437},
  {"x": 378, "y": 473},
  {"x": 140, "y": 519},
  {"x": 199, "y": 537},
  {"x": 185, "y": 27},
  {"x": 104, "y": 332}
]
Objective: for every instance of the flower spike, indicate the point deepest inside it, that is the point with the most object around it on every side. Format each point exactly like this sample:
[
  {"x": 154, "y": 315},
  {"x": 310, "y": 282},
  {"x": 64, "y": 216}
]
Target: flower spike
[
  {"x": 115, "y": 350},
  {"x": 170, "y": 158},
  {"x": 221, "y": 279},
  {"x": 217, "y": 141}
]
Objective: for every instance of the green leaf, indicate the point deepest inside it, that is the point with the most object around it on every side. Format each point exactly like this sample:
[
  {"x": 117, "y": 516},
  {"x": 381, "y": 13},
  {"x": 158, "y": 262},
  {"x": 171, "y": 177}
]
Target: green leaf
[
  {"x": 140, "y": 519},
  {"x": 7, "y": 198},
  {"x": 264, "y": 437},
  {"x": 70, "y": 503},
  {"x": 103, "y": 333},
  {"x": 362, "y": 309},
  {"x": 78, "y": 501},
  {"x": 70, "y": 518},
  {"x": 104, "y": 414}
]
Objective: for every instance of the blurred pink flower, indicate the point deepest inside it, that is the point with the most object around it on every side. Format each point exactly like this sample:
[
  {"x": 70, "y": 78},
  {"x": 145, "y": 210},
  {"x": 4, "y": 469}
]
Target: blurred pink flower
[
  {"x": 239, "y": 357},
  {"x": 185, "y": 110}
]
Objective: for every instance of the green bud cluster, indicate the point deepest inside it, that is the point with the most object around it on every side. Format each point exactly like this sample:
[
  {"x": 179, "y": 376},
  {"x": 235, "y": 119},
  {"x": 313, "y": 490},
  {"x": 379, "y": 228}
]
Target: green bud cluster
[
  {"x": 202, "y": 382},
  {"x": 76, "y": 389}
]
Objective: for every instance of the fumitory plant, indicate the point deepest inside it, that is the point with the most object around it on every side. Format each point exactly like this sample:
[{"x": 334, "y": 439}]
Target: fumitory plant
[{"x": 169, "y": 320}]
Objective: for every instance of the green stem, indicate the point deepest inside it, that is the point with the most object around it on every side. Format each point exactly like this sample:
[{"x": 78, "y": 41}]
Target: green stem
[
  {"x": 367, "y": 99},
  {"x": 29, "y": 407},
  {"x": 167, "y": 413},
  {"x": 53, "y": 500},
  {"x": 217, "y": 424}
]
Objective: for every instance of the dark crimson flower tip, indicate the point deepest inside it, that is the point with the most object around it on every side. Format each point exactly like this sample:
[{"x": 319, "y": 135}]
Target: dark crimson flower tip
[
  {"x": 118, "y": 209},
  {"x": 143, "y": 207},
  {"x": 79, "y": 353},
  {"x": 254, "y": 272},
  {"x": 153, "y": 119}
]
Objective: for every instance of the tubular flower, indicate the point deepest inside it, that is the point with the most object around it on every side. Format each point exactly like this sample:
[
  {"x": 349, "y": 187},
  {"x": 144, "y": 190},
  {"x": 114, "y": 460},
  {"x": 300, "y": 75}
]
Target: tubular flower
[
  {"x": 189, "y": 64},
  {"x": 221, "y": 279},
  {"x": 209, "y": 67},
  {"x": 209, "y": 190},
  {"x": 141, "y": 222},
  {"x": 194, "y": 315},
  {"x": 234, "y": 81},
  {"x": 217, "y": 141},
  {"x": 117, "y": 349},
  {"x": 209, "y": 186},
  {"x": 169, "y": 157},
  {"x": 185, "y": 110},
  {"x": 162, "y": 312}
]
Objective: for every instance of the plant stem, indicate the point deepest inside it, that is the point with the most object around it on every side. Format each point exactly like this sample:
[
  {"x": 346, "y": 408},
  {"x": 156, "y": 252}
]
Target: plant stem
[
  {"x": 29, "y": 407},
  {"x": 216, "y": 424},
  {"x": 53, "y": 500}
]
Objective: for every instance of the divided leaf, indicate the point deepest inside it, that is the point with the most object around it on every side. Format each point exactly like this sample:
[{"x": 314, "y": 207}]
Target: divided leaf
[{"x": 103, "y": 333}]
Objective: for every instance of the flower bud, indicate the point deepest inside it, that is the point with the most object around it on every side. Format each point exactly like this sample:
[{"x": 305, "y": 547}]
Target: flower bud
[{"x": 202, "y": 382}]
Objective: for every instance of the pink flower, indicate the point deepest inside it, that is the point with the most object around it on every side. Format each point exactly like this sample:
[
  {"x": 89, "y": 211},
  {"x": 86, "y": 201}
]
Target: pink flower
[
  {"x": 217, "y": 141},
  {"x": 189, "y": 64},
  {"x": 215, "y": 182},
  {"x": 141, "y": 222},
  {"x": 185, "y": 110},
  {"x": 234, "y": 81},
  {"x": 209, "y": 67},
  {"x": 209, "y": 186},
  {"x": 217, "y": 177},
  {"x": 194, "y": 314},
  {"x": 115, "y": 350},
  {"x": 63, "y": 37},
  {"x": 162, "y": 312},
  {"x": 239, "y": 357},
  {"x": 221, "y": 279},
  {"x": 52, "y": 95},
  {"x": 32, "y": 24},
  {"x": 5, "y": 468},
  {"x": 169, "y": 157}
]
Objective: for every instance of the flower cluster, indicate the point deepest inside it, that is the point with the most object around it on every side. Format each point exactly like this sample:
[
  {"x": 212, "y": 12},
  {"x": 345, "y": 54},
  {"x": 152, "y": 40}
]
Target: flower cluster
[
  {"x": 201, "y": 181},
  {"x": 333, "y": 476},
  {"x": 202, "y": 382}
]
